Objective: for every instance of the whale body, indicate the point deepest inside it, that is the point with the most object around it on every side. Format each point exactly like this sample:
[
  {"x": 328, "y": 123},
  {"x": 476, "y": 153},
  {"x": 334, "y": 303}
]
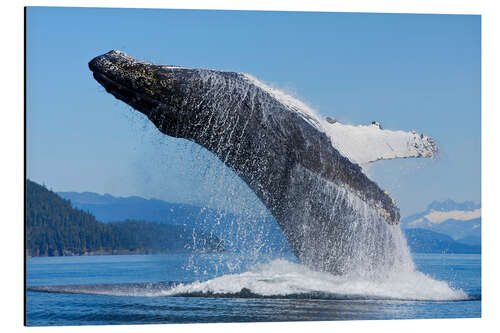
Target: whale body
[{"x": 305, "y": 170}]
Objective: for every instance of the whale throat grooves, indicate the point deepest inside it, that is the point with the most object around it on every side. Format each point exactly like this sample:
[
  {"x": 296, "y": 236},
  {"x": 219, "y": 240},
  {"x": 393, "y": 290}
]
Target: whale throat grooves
[{"x": 334, "y": 217}]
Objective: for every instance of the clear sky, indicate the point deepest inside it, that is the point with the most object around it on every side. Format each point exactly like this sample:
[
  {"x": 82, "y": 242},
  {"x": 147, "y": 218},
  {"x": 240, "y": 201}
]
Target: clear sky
[{"x": 420, "y": 72}]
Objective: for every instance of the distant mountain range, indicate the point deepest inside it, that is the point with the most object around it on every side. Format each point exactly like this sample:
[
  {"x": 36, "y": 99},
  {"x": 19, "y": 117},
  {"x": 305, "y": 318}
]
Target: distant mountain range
[
  {"x": 239, "y": 233},
  {"x": 107, "y": 208},
  {"x": 69, "y": 223},
  {"x": 427, "y": 241},
  {"x": 55, "y": 228},
  {"x": 460, "y": 221},
  {"x": 444, "y": 227}
]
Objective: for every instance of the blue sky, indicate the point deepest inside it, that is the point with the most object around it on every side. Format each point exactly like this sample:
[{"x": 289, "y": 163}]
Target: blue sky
[{"x": 420, "y": 72}]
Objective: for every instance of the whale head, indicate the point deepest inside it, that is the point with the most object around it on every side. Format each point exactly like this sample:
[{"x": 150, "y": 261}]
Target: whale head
[{"x": 165, "y": 94}]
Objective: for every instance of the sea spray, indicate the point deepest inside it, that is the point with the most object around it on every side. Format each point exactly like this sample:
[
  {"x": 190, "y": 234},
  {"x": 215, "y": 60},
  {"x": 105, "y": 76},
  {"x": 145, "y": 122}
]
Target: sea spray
[
  {"x": 373, "y": 260},
  {"x": 235, "y": 215},
  {"x": 357, "y": 240},
  {"x": 282, "y": 279},
  {"x": 335, "y": 218},
  {"x": 285, "y": 279},
  {"x": 271, "y": 141}
]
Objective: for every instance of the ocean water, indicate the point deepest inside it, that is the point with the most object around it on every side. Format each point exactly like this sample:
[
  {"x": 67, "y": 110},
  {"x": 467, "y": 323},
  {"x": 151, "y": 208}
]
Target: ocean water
[{"x": 203, "y": 288}]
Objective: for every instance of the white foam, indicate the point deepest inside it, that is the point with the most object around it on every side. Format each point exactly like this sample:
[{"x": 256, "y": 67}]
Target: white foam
[{"x": 281, "y": 278}]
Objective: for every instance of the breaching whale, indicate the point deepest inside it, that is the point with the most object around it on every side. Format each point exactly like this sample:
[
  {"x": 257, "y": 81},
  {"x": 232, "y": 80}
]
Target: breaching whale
[{"x": 305, "y": 170}]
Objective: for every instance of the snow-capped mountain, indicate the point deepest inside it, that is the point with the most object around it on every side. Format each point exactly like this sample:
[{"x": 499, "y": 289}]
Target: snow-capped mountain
[{"x": 460, "y": 221}]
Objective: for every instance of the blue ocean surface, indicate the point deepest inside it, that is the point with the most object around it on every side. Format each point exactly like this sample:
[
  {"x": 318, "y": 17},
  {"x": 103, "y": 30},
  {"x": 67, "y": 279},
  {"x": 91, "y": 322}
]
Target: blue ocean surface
[{"x": 226, "y": 287}]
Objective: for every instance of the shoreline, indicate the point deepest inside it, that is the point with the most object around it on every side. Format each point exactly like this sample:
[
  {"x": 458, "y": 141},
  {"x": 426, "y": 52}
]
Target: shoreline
[{"x": 119, "y": 252}]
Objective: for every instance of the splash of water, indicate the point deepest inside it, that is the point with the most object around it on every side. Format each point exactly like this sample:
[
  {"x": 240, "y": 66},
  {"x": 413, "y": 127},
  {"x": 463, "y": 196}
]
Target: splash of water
[
  {"x": 362, "y": 246},
  {"x": 247, "y": 228},
  {"x": 283, "y": 279},
  {"x": 362, "y": 243},
  {"x": 372, "y": 257}
]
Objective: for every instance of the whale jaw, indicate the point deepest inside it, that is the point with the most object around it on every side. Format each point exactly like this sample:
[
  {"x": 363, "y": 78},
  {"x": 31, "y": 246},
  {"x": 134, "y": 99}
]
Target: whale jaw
[
  {"x": 150, "y": 89},
  {"x": 130, "y": 81}
]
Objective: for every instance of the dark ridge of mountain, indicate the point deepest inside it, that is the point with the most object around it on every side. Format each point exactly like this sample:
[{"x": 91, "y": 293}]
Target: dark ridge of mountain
[
  {"x": 460, "y": 221},
  {"x": 457, "y": 229},
  {"x": 107, "y": 208},
  {"x": 427, "y": 241},
  {"x": 239, "y": 233},
  {"x": 470, "y": 240},
  {"x": 54, "y": 227},
  {"x": 150, "y": 237}
]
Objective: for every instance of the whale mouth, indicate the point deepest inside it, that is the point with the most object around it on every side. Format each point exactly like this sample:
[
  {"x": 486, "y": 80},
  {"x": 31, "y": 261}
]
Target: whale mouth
[
  {"x": 118, "y": 90},
  {"x": 118, "y": 84}
]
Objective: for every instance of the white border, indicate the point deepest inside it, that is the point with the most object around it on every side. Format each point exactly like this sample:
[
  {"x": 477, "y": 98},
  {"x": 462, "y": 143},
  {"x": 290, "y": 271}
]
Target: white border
[{"x": 13, "y": 164}]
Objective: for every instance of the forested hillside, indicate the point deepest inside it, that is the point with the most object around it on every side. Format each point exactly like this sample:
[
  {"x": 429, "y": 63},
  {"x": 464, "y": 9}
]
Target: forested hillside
[{"x": 54, "y": 228}]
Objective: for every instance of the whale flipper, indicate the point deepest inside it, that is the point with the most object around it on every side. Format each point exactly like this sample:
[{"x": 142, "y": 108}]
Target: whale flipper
[
  {"x": 370, "y": 143},
  {"x": 362, "y": 144},
  {"x": 334, "y": 217}
]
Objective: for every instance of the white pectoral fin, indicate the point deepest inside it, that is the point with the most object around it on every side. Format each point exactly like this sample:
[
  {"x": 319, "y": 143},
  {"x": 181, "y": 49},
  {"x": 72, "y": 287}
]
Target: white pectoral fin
[{"x": 369, "y": 143}]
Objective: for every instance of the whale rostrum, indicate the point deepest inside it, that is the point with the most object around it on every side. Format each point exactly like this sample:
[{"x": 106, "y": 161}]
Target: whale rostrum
[{"x": 305, "y": 170}]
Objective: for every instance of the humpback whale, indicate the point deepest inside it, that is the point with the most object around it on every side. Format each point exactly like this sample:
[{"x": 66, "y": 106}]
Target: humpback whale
[{"x": 307, "y": 171}]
